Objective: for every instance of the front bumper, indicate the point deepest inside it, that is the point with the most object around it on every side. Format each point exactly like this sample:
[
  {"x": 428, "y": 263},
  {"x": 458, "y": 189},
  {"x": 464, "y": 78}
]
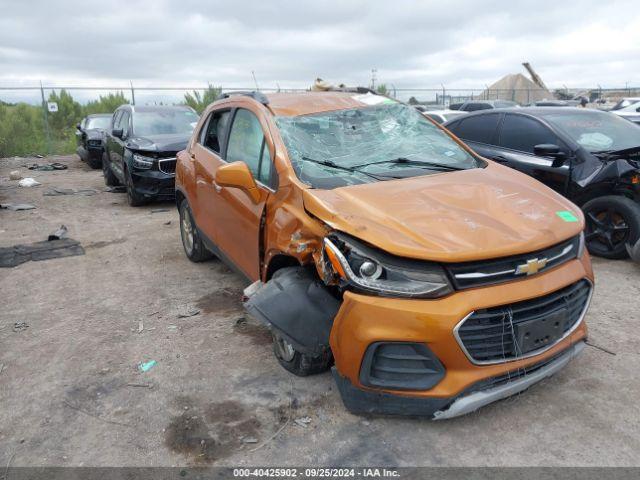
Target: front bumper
[
  {"x": 369, "y": 402},
  {"x": 154, "y": 184},
  {"x": 364, "y": 320}
]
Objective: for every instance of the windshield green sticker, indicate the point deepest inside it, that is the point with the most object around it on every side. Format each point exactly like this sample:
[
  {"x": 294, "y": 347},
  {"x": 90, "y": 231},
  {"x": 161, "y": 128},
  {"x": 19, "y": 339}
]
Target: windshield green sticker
[{"x": 567, "y": 216}]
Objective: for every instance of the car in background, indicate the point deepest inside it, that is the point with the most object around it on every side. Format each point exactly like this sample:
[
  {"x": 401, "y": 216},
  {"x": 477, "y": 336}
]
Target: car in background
[
  {"x": 629, "y": 109},
  {"x": 551, "y": 103},
  {"x": 442, "y": 116},
  {"x": 141, "y": 148},
  {"x": 591, "y": 157},
  {"x": 90, "y": 138},
  {"x": 475, "y": 105}
]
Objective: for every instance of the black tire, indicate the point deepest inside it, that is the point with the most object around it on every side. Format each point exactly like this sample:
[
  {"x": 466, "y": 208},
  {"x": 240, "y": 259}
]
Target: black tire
[
  {"x": 297, "y": 362},
  {"x": 611, "y": 222},
  {"x": 194, "y": 249},
  {"x": 134, "y": 199},
  {"x": 109, "y": 178},
  {"x": 93, "y": 162}
]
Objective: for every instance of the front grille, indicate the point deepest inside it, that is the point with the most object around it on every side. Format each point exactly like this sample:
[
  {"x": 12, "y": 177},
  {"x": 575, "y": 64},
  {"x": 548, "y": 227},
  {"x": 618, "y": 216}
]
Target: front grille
[
  {"x": 167, "y": 165},
  {"x": 489, "y": 272},
  {"x": 401, "y": 366},
  {"x": 491, "y": 335}
]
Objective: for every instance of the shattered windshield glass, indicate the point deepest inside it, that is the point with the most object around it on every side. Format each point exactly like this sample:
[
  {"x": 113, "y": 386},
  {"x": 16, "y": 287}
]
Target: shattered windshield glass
[
  {"x": 369, "y": 144},
  {"x": 597, "y": 131}
]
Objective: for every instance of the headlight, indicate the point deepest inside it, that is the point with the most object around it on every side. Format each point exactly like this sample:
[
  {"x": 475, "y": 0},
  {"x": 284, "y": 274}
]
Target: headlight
[
  {"x": 142, "y": 162},
  {"x": 366, "y": 269}
]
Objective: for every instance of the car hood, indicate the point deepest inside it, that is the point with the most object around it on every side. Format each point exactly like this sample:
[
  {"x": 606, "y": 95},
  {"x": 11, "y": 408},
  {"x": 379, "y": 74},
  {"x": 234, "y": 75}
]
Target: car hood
[
  {"x": 450, "y": 217},
  {"x": 159, "y": 143}
]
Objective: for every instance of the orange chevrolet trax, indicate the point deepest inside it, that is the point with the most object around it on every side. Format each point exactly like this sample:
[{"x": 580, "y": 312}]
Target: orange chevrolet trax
[{"x": 432, "y": 280}]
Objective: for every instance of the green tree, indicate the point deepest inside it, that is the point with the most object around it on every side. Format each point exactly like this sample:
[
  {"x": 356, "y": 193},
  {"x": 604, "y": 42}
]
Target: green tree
[
  {"x": 21, "y": 130},
  {"x": 200, "y": 102},
  {"x": 105, "y": 103},
  {"x": 382, "y": 89},
  {"x": 62, "y": 123}
]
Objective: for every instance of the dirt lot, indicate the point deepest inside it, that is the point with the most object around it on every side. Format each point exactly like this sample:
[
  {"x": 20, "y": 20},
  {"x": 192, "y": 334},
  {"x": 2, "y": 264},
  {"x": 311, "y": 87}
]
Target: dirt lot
[{"x": 71, "y": 393}]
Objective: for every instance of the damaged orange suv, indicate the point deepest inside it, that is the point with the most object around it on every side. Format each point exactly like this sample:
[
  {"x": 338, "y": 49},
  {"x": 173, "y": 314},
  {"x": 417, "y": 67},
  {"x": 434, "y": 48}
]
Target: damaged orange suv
[{"x": 434, "y": 281}]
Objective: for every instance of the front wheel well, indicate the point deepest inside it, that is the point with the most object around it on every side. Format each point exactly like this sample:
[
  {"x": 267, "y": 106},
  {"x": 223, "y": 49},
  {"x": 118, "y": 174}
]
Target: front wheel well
[
  {"x": 278, "y": 262},
  {"x": 179, "y": 198}
]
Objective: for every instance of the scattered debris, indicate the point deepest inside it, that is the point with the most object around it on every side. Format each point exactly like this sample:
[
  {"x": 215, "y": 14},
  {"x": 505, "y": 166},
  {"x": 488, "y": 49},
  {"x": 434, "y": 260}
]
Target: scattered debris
[
  {"x": 47, "y": 166},
  {"x": 602, "y": 349},
  {"x": 168, "y": 223},
  {"x": 75, "y": 407},
  {"x": 249, "y": 440},
  {"x": 192, "y": 312},
  {"x": 302, "y": 421},
  {"x": 15, "y": 175},
  {"x": 18, "y": 254},
  {"x": 141, "y": 385},
  {"x": 159, "y": 210},
  {"x": 1, "y": 367},
  {"x": 140, "y": 326},
  {"x": 17, "y": 206},
  {"x": 116, "y": 189},
  {"x": 20, "y": 326},
  {"x": 28, "y": 182},
  {"x": 58, "y": 234},
  {"x": 173, "y": 328},
  {"x": 57, "y": 191},
  {"x": 146, "y": 366}
]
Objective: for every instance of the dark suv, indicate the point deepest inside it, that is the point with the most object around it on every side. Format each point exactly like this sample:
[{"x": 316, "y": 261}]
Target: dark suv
[
  {"x": 141, "y": 148},
  {"x": 591, "y": 157},
  {"x": 90, "y": 136},
  {"x": 475, "y": 105}
]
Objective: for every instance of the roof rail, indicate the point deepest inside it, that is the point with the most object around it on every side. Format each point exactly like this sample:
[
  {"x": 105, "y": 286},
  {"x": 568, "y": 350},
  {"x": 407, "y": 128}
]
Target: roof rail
[{"x": 257, "y": 96}]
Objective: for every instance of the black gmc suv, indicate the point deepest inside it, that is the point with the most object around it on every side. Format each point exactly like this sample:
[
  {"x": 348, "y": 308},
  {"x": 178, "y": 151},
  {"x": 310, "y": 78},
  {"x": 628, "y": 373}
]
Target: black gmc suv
[{"x": 141, "y": 147}]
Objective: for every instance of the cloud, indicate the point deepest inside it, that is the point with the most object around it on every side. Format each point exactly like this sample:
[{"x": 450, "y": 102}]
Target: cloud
[{"x": 459, "y": 43}]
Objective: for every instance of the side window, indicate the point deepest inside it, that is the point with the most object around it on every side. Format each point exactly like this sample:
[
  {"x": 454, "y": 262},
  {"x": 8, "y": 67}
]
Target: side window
[
  {"x": 480, "y": 128},
  {"x": 246, "y": 144},
  {"x": 474, "y": 107},
  {"x": 116, "y": 119},
  {"x": 123, "y": 123},
  {"x": 523, "y": 133},
  {"x": 213, "y": 135}
]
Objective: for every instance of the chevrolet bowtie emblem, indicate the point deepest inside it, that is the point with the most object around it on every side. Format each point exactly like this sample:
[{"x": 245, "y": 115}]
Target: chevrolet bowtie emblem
[{"x": 532, "y": 266}]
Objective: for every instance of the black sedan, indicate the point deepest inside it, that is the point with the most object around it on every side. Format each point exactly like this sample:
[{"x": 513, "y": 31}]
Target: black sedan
[
  {"x": 141, "y": 149},
  {"x": 591, "y": 157},
  {"x": 90, "y": 136}
]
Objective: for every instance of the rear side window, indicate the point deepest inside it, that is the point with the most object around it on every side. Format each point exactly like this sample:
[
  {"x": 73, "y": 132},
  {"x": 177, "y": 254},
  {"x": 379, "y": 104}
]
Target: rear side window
[
  {"x": 246, "y": 144},
  {"x": 213, "y": 136},
  {"x": 523, "y": 133},
  {"x": 481, "y": 128}
]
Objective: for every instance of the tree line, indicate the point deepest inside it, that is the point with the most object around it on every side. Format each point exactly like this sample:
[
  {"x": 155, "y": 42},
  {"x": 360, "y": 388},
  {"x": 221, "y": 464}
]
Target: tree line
[{"x": 23, "y": 130}]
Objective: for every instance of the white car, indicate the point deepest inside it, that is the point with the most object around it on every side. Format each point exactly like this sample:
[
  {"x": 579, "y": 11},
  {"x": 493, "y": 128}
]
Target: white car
[
  {"x": 628, "y": 108},
  {"x": 441, "y": 116}
]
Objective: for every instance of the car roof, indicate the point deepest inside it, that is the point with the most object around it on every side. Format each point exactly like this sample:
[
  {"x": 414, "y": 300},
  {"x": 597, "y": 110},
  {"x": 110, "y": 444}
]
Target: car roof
[
  {"x": 534, "y": 111},
  {"x": 307, "y": 103},
  {"x": 95, "y": 115}
]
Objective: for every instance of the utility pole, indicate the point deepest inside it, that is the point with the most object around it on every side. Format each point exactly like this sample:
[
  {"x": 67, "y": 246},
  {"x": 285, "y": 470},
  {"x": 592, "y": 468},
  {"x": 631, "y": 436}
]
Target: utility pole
[
  {"x": 45, "y": 113},
  {"x": 374, "y": 71},
  {"x": 133, "y": 94}
]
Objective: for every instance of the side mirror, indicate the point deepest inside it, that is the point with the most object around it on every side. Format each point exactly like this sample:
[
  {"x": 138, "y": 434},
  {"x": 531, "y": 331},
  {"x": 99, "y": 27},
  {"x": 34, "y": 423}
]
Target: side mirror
[
  {"x": 78, "y": 127},
  {"x": 550, "y": 150},
  {"x": 117, "y": 132},
  {"x": 238, "y": 175}
]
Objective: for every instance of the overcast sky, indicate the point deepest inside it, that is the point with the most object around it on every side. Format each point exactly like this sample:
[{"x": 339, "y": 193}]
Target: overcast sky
[{"x": 459, "y": 43}]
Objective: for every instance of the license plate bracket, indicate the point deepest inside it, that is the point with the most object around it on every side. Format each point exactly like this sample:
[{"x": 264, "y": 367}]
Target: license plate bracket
[{"x": 540, "y": 332}]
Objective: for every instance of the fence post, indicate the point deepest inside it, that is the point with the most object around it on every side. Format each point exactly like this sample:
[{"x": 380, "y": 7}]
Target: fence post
[{"x": 45, "y": 113}]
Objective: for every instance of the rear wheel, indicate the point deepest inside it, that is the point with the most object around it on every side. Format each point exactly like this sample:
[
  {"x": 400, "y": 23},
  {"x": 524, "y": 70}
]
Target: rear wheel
[
  {"x": 133, "y": 198},
  {"x": 611, "y": 223},
  {"x": 109, "y": 178},
  {"x": 296, "y": 362},
  {"x": 191, "y": 241}
]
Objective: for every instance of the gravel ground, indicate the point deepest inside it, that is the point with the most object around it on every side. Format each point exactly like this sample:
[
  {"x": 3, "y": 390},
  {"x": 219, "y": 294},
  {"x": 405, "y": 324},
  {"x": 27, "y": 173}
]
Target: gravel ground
[{"x": 71, "y": 393}]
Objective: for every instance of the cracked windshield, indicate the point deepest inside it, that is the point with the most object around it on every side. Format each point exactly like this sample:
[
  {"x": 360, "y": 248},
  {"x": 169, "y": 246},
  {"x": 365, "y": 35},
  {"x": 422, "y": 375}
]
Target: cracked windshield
[{"x": 363, "y": 145}]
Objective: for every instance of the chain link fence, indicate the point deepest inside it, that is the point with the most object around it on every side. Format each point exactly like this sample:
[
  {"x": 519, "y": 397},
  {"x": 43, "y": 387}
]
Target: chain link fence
[{"x": 41, "y": 119}]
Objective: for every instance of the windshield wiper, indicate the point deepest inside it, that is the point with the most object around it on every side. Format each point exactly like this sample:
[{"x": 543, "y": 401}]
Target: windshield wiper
[
  {"x": 408, "y": 161},
  {"x": 329, "y": 163}
]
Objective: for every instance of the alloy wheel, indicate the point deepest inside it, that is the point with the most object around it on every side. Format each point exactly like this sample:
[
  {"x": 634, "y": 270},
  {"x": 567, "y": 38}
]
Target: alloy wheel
[{"x": 607, "y": 227}]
